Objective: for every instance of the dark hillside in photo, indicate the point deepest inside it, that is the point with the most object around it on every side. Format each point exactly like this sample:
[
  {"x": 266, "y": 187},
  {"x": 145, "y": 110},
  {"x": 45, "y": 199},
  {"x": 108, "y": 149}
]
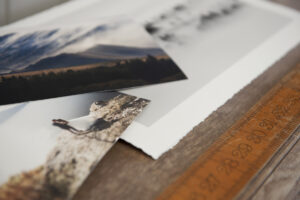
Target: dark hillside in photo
[{"x": 122, "y": 74}]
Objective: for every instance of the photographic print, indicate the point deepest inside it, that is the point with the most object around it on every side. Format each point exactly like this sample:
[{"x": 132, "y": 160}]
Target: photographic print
[
  {"x": 228, "y": 45},
  {"x": 221, "y": 45},
  {"x": 189, "y": 18},
  {"x": 53, "y": 164},
  {"x": 65, "y": 60}
]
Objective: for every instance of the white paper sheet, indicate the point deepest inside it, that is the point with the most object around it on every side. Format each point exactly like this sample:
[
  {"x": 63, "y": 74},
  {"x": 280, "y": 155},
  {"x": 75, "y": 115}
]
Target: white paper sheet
[
  {"x": 220, "y": 59},
  {"x": 227, "y": 62},
  {"x": 53, "y": 163}
]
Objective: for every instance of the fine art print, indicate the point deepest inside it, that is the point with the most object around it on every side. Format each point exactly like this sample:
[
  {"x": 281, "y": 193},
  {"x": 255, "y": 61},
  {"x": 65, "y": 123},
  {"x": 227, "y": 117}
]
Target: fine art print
[
  {"x": 53, "y": 164},
  {"x": 58, "y": 61}
]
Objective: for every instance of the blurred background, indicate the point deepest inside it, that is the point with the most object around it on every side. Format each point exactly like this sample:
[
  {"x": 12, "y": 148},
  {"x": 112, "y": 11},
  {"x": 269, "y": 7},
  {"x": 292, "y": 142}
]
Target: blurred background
[{"x": 13, "y": 10}]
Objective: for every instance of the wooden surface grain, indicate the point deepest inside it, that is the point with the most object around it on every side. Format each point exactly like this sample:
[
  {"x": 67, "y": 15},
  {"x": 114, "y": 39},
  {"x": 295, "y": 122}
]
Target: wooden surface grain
[
  {"x": 284, "y": 182},
  {"x": 127, "y": 173}
]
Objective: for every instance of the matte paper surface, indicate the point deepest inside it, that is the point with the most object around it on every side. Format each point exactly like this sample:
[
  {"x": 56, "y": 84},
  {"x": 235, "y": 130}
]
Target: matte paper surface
[
  {"x": 227, "y": 44},
  {"x": 52, "y": 163},
  {"x": 65, "y": 60}
]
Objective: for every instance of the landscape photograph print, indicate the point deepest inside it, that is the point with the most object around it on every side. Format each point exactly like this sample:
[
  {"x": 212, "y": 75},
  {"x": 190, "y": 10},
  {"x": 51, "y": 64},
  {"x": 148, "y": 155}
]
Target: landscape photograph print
[
  {"x": 49, "y": 62},
  {"x": 53, "y": 163}
]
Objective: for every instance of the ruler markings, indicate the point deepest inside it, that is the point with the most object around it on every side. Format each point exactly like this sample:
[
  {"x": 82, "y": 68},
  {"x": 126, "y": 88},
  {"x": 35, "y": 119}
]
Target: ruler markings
[{"x": 237, "y": 155}]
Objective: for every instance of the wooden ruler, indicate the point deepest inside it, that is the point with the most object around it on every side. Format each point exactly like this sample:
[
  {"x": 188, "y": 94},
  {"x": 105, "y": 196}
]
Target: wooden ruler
[{"x": 244, "y": 150}]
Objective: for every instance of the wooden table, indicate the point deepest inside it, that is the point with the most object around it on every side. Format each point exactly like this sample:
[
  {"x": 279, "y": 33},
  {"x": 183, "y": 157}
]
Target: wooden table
[{"x": 127, "y": 173}]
